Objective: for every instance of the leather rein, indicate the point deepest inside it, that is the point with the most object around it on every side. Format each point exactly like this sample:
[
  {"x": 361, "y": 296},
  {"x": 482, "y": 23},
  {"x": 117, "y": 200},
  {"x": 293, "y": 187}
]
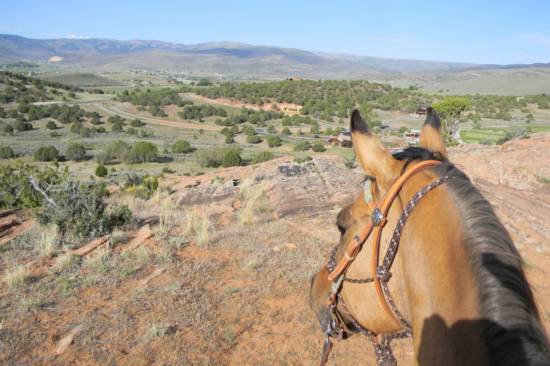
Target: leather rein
[{"x": 380, "y": 272}]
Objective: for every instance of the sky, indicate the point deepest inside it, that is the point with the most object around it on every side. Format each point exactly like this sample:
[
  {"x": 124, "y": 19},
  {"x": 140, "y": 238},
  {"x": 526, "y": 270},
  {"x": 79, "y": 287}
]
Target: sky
[{"x": 482, "y": 31}]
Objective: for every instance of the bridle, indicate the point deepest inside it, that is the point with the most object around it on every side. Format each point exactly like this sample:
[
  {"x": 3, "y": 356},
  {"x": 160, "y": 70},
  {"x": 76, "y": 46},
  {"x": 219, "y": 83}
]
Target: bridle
[{"x": 380, "y": 272}]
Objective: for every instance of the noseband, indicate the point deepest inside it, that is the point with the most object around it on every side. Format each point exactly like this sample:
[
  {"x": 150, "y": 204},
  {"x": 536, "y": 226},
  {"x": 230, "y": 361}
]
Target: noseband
[{"x": 380, "y": 273}]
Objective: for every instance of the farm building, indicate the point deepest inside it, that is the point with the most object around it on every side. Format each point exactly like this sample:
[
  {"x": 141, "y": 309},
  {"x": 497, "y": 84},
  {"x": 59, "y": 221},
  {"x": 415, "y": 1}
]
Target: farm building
[{"x": 343, "y": 139}]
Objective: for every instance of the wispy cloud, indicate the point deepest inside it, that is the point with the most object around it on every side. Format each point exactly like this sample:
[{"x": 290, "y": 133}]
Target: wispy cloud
[{"x": 76, "y": 36}]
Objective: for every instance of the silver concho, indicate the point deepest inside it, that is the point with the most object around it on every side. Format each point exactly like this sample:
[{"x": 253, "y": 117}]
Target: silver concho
[{"x": 377, "y": 216}]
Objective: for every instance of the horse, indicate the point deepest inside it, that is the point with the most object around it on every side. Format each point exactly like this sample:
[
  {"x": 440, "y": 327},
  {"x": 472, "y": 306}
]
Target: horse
[{"x": 451, "y": 278}]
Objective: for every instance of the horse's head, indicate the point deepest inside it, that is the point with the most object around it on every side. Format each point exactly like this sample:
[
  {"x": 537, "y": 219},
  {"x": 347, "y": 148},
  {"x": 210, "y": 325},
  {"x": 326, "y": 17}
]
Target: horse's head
[{"x": 382, "y": 170}]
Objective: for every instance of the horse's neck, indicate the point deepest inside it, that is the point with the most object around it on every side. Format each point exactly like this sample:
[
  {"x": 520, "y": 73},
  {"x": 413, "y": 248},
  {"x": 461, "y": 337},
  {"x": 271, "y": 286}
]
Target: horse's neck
[{"x": 441, "y": 291}]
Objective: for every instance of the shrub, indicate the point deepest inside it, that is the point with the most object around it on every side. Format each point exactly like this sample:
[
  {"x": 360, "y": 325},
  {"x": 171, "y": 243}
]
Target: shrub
[
  {"x": 6, "y": 152},
  {"x": 213, "y": 158},
  {"x": 182, "y": 147},
  {"x": 8, "y": 129},
  {"x": 117, "y": 127},
  {"x": 231, "y": 158},
  {"x": 46, "y": 153},
  {"x": 101, "y": 171},
  {"x": 261, "y": 157},
  {"x": 22, "y": 126},
  {"x": 318, "y": 147},
  {"x": 16, "y": 189},
  {"x": 302, "y": 146},
  {"x": 274, "y": 141},
  {"x": 229, "y": 140},
  {"x": 137, "y": 123},
  {"x": 286, "y": 131},
  {"x": 253, "y": 139},
  {"x": 51, "y": 125},
  {"x": 302, "y": 159},
  {"x": 80, "y": 209},
  {"x": 142, "y": 186},
  {"x": 116, "y": 150},
  {"x": 76, "y": 152},
  {"x": 141, "y": 152}
]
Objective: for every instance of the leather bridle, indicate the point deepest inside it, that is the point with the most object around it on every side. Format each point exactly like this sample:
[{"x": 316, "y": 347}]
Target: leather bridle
[{"x": 338, "y": 328}]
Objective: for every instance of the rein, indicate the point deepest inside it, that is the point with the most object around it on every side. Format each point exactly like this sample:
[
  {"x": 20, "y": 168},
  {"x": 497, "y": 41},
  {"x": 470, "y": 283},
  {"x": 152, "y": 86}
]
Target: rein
[{"x": 381, "y": 274}]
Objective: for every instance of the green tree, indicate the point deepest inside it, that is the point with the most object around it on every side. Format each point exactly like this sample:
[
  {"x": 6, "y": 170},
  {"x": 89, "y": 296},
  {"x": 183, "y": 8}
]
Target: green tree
[
  {"x": 231, "y": 158},
  {"x": 253, "y": 139},
  {"x": 274, "y": 141},
  {"x": 76, "y": 152},
  {"x": 182, "y": 147},
  {"x": 318, "y": 147},
  {"x": 46, "y": 153},
  {"x": 302, "y": 146},
  {"x": 450, "y": 110},
  {"x": 141, "y": 152}
]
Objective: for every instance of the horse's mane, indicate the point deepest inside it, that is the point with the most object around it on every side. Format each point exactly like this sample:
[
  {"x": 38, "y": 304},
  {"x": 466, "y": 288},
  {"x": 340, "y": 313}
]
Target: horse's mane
[{"x": 512, "y": 327}]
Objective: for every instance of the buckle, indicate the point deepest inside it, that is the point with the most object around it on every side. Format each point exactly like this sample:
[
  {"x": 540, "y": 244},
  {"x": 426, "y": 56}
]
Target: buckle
[{"x": 383, "y": 274}]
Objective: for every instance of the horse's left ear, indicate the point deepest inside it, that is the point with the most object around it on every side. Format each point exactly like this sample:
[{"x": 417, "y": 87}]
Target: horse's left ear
[
  {"x": 430, "y": 135},
  {"x": 371, "y": 154}
]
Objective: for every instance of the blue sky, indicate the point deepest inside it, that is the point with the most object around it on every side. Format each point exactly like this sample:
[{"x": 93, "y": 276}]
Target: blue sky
[{"x": 469, "y": 31}]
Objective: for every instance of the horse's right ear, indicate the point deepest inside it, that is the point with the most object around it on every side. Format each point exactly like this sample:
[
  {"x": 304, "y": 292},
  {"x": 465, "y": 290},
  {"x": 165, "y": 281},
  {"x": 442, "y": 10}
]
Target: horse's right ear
[
  {"x": 430, "y": 135},
  {"x": 371, "y": 154}
]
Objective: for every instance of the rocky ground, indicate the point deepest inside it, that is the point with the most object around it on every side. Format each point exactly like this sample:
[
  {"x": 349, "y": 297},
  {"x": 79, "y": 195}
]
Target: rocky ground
[{"x": 217, "y": 269}]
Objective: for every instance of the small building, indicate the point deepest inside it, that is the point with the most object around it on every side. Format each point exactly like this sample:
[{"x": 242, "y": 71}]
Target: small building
[
  {"x": 412, "y": 137},
  {"x": 343, "y": 139}
]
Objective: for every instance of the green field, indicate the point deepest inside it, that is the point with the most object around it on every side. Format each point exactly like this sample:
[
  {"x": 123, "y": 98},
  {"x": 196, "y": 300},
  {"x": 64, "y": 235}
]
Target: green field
[{"x": 494, "y": 134}]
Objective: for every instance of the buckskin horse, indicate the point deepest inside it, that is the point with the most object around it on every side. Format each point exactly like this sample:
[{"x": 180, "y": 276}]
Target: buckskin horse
[{"x": 423, "y": 255}]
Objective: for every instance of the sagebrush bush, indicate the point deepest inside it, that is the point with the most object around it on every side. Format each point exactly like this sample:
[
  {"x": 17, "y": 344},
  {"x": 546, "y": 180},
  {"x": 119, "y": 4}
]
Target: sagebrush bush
[
  {"x": 16, "y": 189},
  {"x": 80, "y": 209}
]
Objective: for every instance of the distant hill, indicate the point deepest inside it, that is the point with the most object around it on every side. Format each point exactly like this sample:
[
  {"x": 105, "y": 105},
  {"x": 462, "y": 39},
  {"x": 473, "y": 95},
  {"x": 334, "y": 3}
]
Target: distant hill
[
  {"x": 231, "y": 60},
  {"x": 213, "y": 57}
]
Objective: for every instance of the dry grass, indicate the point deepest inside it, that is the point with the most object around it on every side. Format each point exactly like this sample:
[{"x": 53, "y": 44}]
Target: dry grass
[
  {"x": 203, "y": 235},
  {"x": 48, "y": 242},
  {"x": 16, "y": 276},
  {"x": 101, "y": 261},
  {"x": 198, "y": 223},
  {"x": 166, "y": 218},
  {"x": 192, "y": 219},
  {"x": 255, "y": 202},
  {"x": 118, "y": 236},
  {"x": 66, "y": 262}
]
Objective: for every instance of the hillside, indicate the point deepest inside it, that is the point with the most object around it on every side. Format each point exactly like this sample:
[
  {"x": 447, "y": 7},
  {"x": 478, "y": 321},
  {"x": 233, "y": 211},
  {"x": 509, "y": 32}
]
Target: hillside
[{"x": 216, "y": 268}]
